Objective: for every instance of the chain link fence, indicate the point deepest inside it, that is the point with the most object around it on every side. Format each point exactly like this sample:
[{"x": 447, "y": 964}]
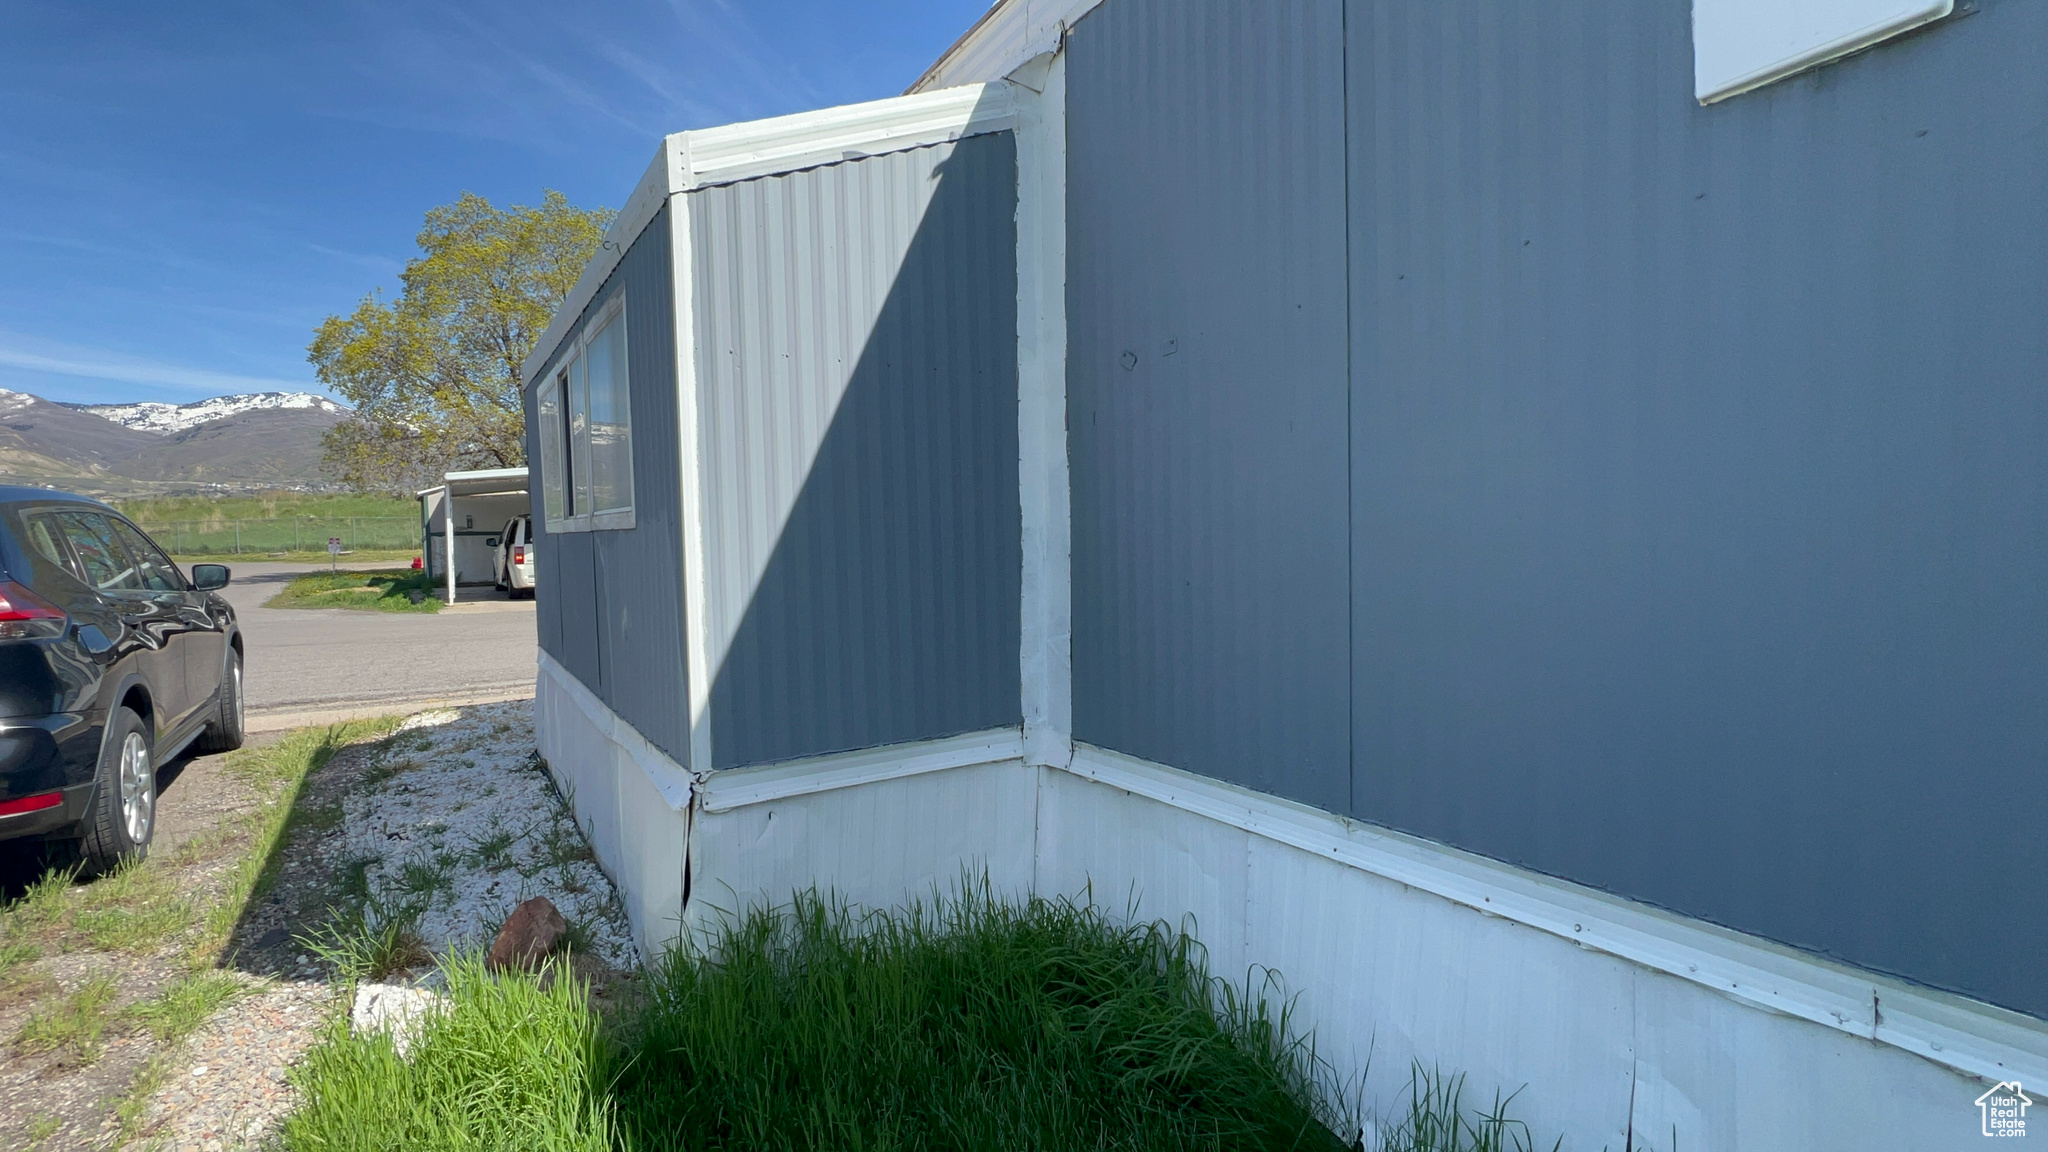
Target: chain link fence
[{"x": 283, "y": 534}]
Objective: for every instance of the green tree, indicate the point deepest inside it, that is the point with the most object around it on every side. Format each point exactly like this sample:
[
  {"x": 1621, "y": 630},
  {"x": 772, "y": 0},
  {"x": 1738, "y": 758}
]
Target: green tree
[{"x": 434, "y": 377}]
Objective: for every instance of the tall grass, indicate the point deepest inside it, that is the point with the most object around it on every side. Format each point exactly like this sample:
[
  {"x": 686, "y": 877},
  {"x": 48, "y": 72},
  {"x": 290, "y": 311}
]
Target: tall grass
[
  {"x": 514, "y": 1065},
  {"x": 969, "y": 1023}
]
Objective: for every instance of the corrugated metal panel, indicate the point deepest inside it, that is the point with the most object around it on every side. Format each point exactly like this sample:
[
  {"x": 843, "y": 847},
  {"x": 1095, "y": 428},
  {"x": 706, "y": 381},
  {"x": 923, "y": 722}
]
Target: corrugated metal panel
[
  {"x": 1701, "y": 512},
  {"x": 565, "y": 583},
  {"x": 856, "y": 351},
  {"x": 642, "y": 568},
  {"x": 1207, "y": 388},
  {"x": 612, "y": 601}
]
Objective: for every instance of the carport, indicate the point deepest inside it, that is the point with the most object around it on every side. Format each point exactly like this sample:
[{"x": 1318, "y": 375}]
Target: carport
[{"x": 477, "y": 504}]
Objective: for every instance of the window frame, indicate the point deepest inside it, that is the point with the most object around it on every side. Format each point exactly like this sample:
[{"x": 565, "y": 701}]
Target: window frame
[{"x": 567, "y": 379}]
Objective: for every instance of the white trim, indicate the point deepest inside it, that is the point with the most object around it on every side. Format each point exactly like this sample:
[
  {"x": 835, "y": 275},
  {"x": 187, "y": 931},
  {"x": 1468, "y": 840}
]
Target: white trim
[
  {"x": 689, "y": 466},
  {"x": 734, "y": 152},
  {"x": 1046, "y": 641},
  {"x": 732, "y": 788},
  {"x": 1730, "y": 37},
  {"x": 1006, "y": 36},
  {"x": 669, "y": 778},
  {"x": 707, "y": 156},
  {"x": 1958, "y": 1033}
]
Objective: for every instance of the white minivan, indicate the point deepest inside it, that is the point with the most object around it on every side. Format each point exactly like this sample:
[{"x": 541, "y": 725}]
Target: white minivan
[{"x": 512, "y": 564}]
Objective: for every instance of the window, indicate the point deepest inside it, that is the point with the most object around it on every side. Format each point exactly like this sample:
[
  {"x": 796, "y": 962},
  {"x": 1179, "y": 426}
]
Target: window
[
  {"x": 611, "y": 420},
  {"x": 586, "y": 430},
  {"x": 548, "y": 409},
  {"x": 157, "y": 571},
  {"x": 1738, "y": 45},
  {"x": 107, "y": 566},
  {"x": 42, "y": 536}
]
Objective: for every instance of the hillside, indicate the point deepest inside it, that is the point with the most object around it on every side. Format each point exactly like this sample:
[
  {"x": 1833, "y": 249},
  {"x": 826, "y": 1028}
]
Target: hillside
[{"x": 230, "y": 443}]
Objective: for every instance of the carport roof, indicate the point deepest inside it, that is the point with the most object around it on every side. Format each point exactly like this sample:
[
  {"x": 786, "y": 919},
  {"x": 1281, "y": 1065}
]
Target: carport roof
[{"x": 484, "y": 482}]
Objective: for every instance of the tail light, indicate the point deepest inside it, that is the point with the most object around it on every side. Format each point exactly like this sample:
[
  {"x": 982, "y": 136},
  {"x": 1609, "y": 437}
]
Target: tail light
[
  {"x": 518, "y": 554},
  {"x": 23, "y": 614},
  {"x": 28, "y": 804}
]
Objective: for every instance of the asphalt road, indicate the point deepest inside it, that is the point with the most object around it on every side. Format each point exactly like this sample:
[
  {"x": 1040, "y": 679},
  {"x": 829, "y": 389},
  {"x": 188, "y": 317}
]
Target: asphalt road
[{"x": 308, "y": 665}]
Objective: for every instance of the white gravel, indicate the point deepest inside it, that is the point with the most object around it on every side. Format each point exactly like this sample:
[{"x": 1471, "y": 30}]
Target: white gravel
[{"x": 459, "y": 820}]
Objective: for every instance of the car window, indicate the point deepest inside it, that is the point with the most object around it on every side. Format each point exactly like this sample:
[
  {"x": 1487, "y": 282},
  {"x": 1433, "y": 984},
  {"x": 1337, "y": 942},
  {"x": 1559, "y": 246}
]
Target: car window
[
  {"x": 106, "y": 563},
  {"x": 42, "y": 536},
  {"x": 158, "y": 573}
]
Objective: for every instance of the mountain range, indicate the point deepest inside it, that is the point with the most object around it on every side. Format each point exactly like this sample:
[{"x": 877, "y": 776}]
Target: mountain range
[{"x": 268, "y": 440}]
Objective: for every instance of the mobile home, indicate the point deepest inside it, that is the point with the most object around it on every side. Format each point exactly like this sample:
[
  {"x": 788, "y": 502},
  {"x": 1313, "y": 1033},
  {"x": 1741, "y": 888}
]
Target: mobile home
[{"x": 1530, "y": 520}]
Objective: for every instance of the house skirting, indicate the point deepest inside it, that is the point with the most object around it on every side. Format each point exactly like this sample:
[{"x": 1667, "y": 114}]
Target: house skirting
[{"x": 1616, "y": 1021}]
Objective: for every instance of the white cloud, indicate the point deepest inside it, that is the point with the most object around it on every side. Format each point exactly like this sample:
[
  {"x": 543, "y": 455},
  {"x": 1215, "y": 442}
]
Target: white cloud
[
  {"x": 384, "y": 264},
  {"x": 96, "y": 364}
]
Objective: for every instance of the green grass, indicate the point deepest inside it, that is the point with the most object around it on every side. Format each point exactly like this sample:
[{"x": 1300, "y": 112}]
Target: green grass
[
  {"x": 288, "y": 556},
  {"x": 265, "y": 506},
  {"x": 40, "y": 1129},
  {"x": 74, "y": 1025},
  {"x": 387, "y": 590},
  {"x": 972, "y": 1023},
  {"x": 138, "y": 908},
  {"x": 516, "y": 1064},
  {"x": 186, "y": 1004},
  {"x": 278, "y": 525}
]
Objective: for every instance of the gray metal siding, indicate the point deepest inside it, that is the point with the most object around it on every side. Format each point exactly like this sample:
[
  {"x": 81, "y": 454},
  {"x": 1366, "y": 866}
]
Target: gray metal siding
[
  {"x": 1207, "y": 388},
  {"x": 856, "y": 350},
  {"x": 613, "y": 600},
  {"x": 1700, "y": 499}
]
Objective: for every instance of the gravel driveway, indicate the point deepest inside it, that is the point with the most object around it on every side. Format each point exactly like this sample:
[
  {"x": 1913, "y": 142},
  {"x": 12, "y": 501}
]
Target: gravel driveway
[{"x": 450, "y": 814}]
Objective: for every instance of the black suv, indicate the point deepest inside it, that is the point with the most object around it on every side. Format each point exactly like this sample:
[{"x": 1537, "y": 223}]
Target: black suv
[{"x": 111, "y": 663}]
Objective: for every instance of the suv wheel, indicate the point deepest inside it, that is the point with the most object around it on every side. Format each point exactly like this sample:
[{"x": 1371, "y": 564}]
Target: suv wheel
[
  {"x": 224, "y": 733},
  {"x": 122, "y": 821}
]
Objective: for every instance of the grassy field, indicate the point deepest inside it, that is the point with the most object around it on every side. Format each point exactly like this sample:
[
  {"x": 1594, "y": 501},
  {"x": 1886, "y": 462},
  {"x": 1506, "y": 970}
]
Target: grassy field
[
  {"x": 385, "y": 590},
  {"x": 265, "y": 506},
  {"x": 279, "y": 526}
]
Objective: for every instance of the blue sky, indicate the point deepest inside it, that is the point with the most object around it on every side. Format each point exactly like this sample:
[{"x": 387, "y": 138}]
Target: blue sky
[{"x": 186, "y": 190}]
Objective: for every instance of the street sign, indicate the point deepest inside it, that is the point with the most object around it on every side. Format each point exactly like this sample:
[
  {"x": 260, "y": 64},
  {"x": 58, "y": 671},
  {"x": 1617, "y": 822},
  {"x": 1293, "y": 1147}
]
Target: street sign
[{"x": 334, "y": 552}]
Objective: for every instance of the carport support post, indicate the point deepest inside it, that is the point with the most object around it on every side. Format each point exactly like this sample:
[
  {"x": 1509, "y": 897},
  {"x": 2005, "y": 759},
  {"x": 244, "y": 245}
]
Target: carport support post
[{"x": 448, "y": 537}]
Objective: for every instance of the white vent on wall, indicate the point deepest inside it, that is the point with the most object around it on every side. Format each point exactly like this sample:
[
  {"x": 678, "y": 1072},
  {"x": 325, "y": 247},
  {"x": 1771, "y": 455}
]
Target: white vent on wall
[{"x": 1738, "y": 45}]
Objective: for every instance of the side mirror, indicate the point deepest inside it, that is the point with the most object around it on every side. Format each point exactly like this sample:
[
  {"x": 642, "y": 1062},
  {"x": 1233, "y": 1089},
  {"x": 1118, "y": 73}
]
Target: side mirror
[
  {"x": 490, "y": 541},
  {"x": 207, "y": 577}
]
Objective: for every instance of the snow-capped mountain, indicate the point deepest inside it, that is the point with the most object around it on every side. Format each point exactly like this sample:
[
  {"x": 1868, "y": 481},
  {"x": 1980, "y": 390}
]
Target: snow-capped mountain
[
  {"x": 169, "y": 419},
  {"x": 229, "y": 443}
]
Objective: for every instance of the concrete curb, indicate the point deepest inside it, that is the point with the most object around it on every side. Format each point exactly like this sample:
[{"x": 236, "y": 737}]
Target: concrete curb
[{"x": 281, "y": 719}]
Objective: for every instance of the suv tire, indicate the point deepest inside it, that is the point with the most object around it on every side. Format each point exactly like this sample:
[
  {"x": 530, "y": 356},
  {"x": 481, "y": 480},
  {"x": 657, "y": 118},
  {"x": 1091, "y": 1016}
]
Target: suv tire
[
  {"x": 225, "y": 732},
  {"x": 122, "y": 820}
]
